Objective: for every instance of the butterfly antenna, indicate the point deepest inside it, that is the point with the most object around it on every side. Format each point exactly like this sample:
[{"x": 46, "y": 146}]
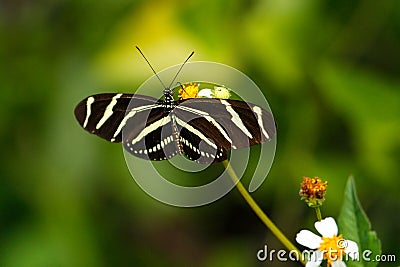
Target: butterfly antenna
[
  {"x": 155, "y": 73},
  {"x": 183, "y": 64},
  {"x": 183, "y": 88}
]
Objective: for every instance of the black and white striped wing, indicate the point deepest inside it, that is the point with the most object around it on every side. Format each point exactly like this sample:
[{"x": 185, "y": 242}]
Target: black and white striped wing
[
  {"x": 199, "y": 140},
  {"x": 138, "y": 121},
  {"x": 204, "y": 130},
  {"x": 154, "y": 139},
  {"x": 208, "y": 128},
  {"x": 104, "y": 114}
]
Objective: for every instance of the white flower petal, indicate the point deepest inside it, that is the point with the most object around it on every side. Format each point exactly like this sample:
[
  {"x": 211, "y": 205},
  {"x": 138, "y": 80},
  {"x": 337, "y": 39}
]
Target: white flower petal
[
  {"x": 315, "y": 259},
  {"x": 206, "y": 93},
  {"x": 313, "y": 263},
  {"x": 308, "y": 239},
  {"x": 327, "y": 227},
  {"x": 351, "y": 249},
  {"x": 338, "y": 263},
  {"x": 221, "y": 92}
]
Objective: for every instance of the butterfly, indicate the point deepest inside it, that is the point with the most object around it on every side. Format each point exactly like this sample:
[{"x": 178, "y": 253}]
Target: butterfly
[{"x": 202, "y": 129}]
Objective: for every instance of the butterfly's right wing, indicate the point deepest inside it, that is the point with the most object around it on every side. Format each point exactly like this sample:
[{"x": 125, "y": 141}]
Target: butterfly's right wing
[{"x": 209, "y": 127}]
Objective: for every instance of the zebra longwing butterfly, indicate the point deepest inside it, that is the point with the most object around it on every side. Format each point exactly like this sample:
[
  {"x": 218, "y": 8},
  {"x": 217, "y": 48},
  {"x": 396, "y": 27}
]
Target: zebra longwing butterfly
[{"x": 202, "y": 129}]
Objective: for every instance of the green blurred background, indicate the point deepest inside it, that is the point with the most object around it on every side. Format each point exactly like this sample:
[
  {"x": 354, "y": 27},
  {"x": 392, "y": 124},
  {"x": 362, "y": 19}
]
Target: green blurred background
[{"x": 329, "y": 69}]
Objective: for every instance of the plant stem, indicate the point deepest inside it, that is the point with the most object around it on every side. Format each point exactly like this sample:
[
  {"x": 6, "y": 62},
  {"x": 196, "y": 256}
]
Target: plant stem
[
  {"x": 318, "y": 211},
  {"x": 258, "y": 211}
]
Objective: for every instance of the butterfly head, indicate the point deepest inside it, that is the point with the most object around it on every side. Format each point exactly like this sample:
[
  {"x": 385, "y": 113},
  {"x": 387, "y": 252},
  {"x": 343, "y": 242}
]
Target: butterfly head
[{"x": 168, "y": 93}]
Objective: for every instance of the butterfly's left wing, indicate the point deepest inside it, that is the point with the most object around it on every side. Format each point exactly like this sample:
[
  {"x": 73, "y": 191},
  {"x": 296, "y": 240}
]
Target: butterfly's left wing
[
  {"x": 209, "y": 127},
  {"x": 150, "y": 136},
  {"x": 138, "y": 121}
]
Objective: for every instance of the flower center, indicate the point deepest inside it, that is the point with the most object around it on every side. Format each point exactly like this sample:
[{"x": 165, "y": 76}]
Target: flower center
[
  {"x": 313, "y": 191},
  {"x": 190, "y": 90},
  {"x": 333, "y": 248}
]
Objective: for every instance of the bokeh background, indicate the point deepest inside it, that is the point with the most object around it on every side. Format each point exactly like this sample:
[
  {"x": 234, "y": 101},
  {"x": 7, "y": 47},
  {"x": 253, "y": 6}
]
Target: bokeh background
[{"x": 329, "y": 69}]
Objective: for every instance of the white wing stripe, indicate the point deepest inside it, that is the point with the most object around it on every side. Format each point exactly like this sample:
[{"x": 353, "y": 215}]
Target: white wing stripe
[
  {"x": 152, "y": 127},
  {"x": 195, "y": 131},
  {"x": 192, "y": 110},
  {"x": 128, "y": 116},
  {"x": 235, "y": 118},
  {"x": 210, "y": 119},
  {"x": 258, "y": 112},
  {"x": 89, "y": 103},
  {"x": 109, "y": 111}
]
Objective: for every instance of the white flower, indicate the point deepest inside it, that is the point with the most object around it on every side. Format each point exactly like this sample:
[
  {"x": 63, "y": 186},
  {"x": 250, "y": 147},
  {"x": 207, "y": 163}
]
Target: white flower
[
  {"x": 221, "y": 92},
  {"x": 217, "y": 92},
  {"x": 330, "y": 246},
  {"x": 206, "y": 93}
]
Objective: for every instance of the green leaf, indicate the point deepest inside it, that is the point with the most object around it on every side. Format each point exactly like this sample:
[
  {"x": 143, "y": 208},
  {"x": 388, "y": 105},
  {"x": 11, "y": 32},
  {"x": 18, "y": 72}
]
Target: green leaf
[{"x": 354, "y": 225}]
